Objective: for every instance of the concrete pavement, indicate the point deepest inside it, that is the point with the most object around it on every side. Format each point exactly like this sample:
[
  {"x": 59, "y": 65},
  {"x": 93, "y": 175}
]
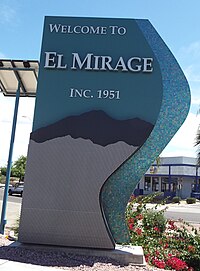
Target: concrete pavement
[
  {"x": 13, "y": 209},
  {"x": 6, "y": 265},
  {"x": 12, "y": 214},
  {"x": 124, "y": 255}
]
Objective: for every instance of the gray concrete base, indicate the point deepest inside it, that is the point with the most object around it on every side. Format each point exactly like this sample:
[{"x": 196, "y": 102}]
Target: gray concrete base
[{"x": 125, "y": 255}]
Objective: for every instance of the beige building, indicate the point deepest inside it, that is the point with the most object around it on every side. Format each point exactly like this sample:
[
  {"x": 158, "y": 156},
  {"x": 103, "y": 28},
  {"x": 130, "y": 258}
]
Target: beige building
[{"x": 174, "y": 176}]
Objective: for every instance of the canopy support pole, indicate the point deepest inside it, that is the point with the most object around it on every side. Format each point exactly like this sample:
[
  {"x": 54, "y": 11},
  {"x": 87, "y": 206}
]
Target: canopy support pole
[{"x": 8, "y": 171}]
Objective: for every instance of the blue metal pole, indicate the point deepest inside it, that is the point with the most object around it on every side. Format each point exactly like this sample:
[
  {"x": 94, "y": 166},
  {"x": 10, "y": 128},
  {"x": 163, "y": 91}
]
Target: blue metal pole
[
  {"x": 170, "y": 179},
  {"x": 8, "y": 171},
  {"x": 196, "y": 180}
]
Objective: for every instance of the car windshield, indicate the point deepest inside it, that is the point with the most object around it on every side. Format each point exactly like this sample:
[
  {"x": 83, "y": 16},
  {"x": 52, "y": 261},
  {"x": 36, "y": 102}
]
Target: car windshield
[{"x": 18, "y": 184}]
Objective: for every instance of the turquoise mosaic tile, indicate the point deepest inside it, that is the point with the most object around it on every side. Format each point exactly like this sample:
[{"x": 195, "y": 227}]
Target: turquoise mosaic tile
[{"x": 174, "y": 109}]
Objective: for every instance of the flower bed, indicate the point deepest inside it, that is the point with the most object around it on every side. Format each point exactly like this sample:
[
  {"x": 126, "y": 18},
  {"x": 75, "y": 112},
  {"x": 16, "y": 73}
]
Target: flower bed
[{"x": 165, "y": 244}]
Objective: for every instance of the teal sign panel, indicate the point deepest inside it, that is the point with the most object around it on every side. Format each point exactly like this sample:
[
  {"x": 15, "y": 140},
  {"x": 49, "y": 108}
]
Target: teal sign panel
[
  {"x": 86, "y": 56},
  {"x": 108, "y": 101}
]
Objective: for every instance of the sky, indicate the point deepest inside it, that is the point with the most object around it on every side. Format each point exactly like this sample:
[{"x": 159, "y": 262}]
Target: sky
[{"x": 21, "y": 26}]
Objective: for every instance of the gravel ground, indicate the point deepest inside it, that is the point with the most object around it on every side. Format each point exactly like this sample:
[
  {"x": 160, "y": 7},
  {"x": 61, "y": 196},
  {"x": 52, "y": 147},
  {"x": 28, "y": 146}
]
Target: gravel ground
[{"x": 62, "y": 260}]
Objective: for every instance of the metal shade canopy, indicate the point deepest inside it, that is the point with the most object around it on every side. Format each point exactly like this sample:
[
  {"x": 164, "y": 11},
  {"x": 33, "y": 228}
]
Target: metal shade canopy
[
  {"x": 14, "y": 71},
  {"x": 18, "y": 78}
]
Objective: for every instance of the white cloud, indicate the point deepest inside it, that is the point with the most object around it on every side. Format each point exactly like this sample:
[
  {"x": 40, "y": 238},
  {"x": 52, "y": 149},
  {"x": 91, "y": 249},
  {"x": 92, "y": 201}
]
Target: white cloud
[
  {"x": 189, "y": 57},
  {"x": 195, "y": 100},
  {"x": 195, "y": 95},
  {"x": 7, "y": 13},
  {"x": 192, "y": 51},
  {"x": 24, "y": 126},
  {"x": 2, "y": 55},
  {"x": 182, "y": 144},
  {"x": 192, "y": 72}
]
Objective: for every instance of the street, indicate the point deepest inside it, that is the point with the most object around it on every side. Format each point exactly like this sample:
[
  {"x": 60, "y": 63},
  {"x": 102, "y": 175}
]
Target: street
[
  {"x": 13, "y": 208},
  {"x": 15, "y": 199},
  {"x": 187, "y": 212}
]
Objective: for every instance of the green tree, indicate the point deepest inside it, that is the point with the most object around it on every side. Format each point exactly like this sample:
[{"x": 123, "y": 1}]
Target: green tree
[
  {"x": 197, "y": 143},
  {"x": 3, "y": 171},
  {"x": 18, "y": 168}
]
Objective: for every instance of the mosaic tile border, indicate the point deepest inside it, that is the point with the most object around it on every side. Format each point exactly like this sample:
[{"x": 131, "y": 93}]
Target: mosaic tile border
[{"x": 175, "y": 106}]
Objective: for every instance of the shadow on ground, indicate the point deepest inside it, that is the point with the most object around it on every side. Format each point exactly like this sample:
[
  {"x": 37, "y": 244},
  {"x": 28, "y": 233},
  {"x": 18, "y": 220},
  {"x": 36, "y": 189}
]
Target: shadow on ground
[{"x": 50, "y": 257}]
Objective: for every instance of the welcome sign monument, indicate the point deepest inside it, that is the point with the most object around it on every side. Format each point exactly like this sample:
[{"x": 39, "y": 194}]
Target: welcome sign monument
[{"x": 110, "y": 97}]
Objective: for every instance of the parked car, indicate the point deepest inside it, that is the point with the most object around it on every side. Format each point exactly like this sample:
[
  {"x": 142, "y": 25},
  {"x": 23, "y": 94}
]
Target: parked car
[{"x": 17, "y": 188}]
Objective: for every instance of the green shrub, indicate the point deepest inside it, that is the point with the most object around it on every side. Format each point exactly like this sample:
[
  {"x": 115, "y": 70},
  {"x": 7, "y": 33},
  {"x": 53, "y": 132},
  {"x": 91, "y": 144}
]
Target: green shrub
[
  {"x": 166, "y": 244},
  {"x": 191, "y": 200},
  {"x": 176, "y": 199},
  {"x": 154, "y": 219},
  {"x": 157, "y": 197},
  {"x": 15, "y": 228}
]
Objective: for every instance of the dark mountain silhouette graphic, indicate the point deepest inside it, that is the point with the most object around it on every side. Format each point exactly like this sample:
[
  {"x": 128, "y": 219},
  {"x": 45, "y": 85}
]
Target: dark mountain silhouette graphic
[{"x": 97, "y": 126}]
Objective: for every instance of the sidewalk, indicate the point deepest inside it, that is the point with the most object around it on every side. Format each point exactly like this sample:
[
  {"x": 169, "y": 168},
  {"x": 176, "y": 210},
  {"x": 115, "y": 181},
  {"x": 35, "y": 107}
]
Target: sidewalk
[
  {"x": 6, "y": 265},
  {"x": 182, "y": 204},
  {"x": 13, "y": 210}
]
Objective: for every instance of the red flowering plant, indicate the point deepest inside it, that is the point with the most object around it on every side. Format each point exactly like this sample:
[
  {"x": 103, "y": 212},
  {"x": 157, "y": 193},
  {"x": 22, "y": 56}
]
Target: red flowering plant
[{"x": 166, "y": 244}]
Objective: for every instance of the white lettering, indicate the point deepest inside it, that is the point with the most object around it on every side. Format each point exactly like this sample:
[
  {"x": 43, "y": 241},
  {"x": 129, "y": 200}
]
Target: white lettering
[
  {"x": 77, "y": 29},
  {"x": 50, "y": 60},
  {"x": 108, "y": 94},
  {"x": 130, "y": 66},
  {"x": 80, "y": 93},
  {"x": 53, "y": 60},
  {"x": 64, "y": 29},
  {"x": 113, "y": 28},
  {"x": 76, "y": 59},
  {"x": 69, "y": 30},
  {"x": 148, "y": 64},
  {"x": 103, "y": 30},
  {"x": 106, "y": 60},
  {"x": 86, "y": 93},
  {"x": 85, "y": 29},
  {"x": 96, "y": 63},
  {"x": 88, "y": 29},
  {"x": 59, "y": 66},
  {"x": 54, "y": 27},
  {"x": 120, "y": 65},
  {"x": 75, "y": 93},
  {"x": 94, "y": 30},
  {"x": 121, "y": 30}
]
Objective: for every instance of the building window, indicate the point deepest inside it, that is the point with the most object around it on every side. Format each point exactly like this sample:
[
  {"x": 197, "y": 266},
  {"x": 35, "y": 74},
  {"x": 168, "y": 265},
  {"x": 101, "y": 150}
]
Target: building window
[
  {"x": 165, "y": 186},
  {"x": 174, "y": 184},
  {"x": 147, "y": 183},
  {"x": 155, "y": 184}
]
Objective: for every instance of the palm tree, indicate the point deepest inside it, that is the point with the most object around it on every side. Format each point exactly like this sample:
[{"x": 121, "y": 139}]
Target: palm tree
[{"x": 197, "y": 143}]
